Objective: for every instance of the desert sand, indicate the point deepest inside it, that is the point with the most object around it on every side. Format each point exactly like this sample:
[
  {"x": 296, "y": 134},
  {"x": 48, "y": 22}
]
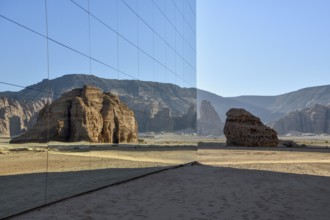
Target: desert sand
[{"x": 229, "y": 183}]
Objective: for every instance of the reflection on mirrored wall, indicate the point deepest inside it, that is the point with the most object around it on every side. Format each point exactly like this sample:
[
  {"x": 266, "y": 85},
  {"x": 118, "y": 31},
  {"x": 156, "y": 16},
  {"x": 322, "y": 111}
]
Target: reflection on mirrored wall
[{"x": 93, "y": 93}]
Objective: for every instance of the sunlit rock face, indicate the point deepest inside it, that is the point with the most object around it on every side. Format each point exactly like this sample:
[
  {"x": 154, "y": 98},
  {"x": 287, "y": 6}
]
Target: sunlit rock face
[
  {"x": 85, "y": 114},
  {"x": 244, "y": 129}
]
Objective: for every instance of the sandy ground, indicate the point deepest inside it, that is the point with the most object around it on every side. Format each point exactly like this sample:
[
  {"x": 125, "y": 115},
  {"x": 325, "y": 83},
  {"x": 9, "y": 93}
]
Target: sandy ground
[{"x": 239, "y": 183}]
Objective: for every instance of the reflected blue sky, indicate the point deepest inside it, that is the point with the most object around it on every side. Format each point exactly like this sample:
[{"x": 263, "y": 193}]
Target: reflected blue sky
[{"x": 152, "y": 40}]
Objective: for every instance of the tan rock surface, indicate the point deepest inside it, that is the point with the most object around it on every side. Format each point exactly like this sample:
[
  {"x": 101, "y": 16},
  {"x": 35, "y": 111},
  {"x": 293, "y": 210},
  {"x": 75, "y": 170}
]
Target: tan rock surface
[
  {"x": 244, "y": 129},
  {"x": 84, "y": 115}
]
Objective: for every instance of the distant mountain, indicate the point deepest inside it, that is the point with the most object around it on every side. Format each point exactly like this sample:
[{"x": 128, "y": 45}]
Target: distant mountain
[
  {"x": 269, "y": 108},
  {"x": 283, "y": 104},
  {"x": 157, "y": 106},
  {"x": 222, "y": 105},
  {"x": 309, "y": 120}
]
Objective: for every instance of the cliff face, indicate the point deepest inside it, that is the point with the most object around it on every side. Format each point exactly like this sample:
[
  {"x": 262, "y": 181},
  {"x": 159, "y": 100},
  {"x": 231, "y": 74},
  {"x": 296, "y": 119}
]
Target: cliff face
[
  {"x": 209, "y": 122},
  {"x": 84, "y": 115},
  {"x": 309, "y": 120}
]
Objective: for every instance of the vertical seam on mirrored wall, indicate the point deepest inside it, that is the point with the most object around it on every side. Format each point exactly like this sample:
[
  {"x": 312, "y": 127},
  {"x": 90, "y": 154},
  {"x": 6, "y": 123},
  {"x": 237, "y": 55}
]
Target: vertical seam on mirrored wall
[
  {"x": 138, "y": 48},
  {"x": 117, "y": 31},
  {"x": 153, "y": 72},
  {"x": 183, "y": 45},
  {"x": 89, "y": 40},
  {"x": 175, "y": 42},
  {"x": 48, "y": 107},
  {"x": 168, "y": 78},
  {"x": 89, "y": 172},
  {"x": 160, "y": 37},
  {"x": 138, "y": 38}
]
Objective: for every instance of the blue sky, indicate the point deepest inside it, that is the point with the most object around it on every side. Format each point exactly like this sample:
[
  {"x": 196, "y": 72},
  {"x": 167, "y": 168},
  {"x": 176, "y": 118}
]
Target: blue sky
[{"x": 258, "y": 47}]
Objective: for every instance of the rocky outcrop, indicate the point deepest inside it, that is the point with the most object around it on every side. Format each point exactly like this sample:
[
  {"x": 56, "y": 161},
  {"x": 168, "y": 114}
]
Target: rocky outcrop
[
  {"x": 244, "y": 129},
  {"x": 84, "y": 114},
  {"x": 209, "y": 122},
  {"x": 309, "y": 120},
  {"x": 16, "y": 117}
]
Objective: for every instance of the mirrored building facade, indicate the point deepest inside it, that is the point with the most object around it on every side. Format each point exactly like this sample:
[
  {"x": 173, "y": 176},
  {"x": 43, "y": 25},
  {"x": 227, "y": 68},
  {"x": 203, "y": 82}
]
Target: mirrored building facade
[{"x": 141, "y": 51}]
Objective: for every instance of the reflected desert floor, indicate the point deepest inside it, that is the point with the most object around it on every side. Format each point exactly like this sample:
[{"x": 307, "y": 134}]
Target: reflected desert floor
[{"x": 33, "y": 174}]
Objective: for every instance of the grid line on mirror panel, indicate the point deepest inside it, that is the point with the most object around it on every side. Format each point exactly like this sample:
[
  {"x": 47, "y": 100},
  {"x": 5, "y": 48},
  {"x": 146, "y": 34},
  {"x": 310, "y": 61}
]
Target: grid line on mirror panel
[
  {"x": 117, "y": 36},
  {"x": 161, "y": 11},
  {"x": 137, "y": 47},
  {"x": 70, "y": 48},
  {"x": 194, "y": 13},
  {"x": 48, "y": 116},
  {"x": 138, "y": 40},
  {"x": 159, "y": 35},
  {"x": 184, "y": 18}
]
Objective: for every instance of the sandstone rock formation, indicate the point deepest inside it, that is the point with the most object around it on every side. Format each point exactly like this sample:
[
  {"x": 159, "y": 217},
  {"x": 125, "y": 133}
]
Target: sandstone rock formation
[
  {"x": 209, "y": 122},
  {"x": 309, "y": 120},
  {"x": 244, "y": 129},
  {"x": 84, "y": 114}
]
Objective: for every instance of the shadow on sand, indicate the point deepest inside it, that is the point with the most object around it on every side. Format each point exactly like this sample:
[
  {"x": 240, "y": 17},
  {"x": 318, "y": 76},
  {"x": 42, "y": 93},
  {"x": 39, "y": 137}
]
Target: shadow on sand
[{"x": 23, "y": 192}]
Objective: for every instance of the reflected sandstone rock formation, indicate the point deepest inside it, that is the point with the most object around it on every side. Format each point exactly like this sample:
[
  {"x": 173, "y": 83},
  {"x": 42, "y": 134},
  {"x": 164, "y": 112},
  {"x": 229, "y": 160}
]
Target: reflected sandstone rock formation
[
  {"x": 244, "y": 129},
  {"x": 84, "y": 114}
]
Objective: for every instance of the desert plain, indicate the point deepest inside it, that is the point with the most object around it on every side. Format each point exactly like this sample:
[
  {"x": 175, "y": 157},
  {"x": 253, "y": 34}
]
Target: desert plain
[{"x": 226, "y": 183}]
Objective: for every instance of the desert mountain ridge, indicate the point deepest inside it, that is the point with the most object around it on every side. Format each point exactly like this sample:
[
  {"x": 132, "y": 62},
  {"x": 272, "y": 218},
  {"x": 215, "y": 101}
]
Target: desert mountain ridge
[
  {"x": 270, "y": 108},
  {"x": 157, "y": 106}
]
